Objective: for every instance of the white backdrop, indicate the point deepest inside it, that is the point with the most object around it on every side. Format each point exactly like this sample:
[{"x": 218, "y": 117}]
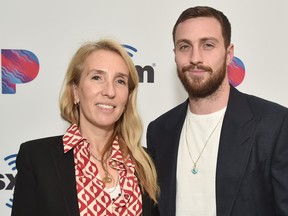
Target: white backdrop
[{"x": 53, "y": 30}]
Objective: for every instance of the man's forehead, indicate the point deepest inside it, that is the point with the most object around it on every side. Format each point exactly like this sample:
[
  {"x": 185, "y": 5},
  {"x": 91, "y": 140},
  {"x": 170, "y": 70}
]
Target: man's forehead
[{"x": 200, "y": 27}]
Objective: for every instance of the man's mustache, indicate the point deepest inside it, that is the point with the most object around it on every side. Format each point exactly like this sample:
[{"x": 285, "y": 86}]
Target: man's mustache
[{"x": 196, "y": 67}]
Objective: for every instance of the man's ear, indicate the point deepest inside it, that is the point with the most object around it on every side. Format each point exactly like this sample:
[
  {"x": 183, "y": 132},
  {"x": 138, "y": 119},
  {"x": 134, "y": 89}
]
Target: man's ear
[
  {"x": 230, "y": 54},
  {"x": 174, "y": 54}
]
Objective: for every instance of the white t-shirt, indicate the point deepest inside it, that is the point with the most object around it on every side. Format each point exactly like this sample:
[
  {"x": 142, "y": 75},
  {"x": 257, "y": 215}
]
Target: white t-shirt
[{"x": 195, "y": 193}]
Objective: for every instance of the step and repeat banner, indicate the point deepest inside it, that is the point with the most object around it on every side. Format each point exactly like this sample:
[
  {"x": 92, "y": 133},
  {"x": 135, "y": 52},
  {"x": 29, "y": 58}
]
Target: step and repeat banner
[{"x": 38, "y": 39}]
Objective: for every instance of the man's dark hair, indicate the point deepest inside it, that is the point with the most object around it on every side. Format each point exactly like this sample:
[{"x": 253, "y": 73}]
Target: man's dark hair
[{"x": 205, "y": 11}]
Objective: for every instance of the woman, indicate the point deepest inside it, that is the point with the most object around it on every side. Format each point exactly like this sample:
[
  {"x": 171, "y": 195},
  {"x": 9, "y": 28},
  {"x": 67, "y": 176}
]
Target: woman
[{"x": 99, "y": 166}]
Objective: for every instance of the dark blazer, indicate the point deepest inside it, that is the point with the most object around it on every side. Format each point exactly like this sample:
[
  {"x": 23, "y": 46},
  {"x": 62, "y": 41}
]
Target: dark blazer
[
  {"x": 252, "y": 166},
  {"x": 46, "y": 184}
]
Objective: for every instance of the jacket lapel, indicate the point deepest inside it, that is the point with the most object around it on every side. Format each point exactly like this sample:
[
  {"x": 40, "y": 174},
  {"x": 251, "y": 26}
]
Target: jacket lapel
[
  {"x": 64, "y": 164},
  {"x": 234, "y": 149},
  {"x": 166, "y": 159}
]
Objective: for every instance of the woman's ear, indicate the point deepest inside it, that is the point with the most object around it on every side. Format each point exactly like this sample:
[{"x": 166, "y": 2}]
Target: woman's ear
[{"x": 75, "y": 93}]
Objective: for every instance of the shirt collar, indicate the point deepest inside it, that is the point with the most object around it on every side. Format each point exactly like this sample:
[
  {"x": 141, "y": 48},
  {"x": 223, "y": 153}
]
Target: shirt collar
[
  {"x": 117, "y": 157},
  {"x": 72, "y": 138}
]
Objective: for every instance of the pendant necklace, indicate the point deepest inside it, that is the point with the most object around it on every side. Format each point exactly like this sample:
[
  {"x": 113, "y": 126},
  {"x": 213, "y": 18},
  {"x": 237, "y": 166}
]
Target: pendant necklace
[
  {"x": 107, "y": 178},
  {"x": 194, "y": 168}
]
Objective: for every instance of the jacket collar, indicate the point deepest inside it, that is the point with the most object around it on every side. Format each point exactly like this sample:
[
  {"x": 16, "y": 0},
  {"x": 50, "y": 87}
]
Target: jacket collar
[
  {"x": 65, "y": 171},
  {"x": 234, "y": 149}
]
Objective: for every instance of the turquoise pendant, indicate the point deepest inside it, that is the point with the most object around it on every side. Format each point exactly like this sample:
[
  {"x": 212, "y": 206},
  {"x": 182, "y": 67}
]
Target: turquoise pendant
[{"x": 194, "y": 170}]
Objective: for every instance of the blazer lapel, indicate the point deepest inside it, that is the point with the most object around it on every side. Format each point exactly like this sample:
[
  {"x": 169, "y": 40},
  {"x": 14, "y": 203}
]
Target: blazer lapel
[
  {"x": 234, "y": 148},
  {"x": 166, "y": 160},
  {"x": 64, "y": 164}
]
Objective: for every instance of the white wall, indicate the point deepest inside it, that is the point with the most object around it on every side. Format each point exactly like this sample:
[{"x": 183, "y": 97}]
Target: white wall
[{"x": 53, "y": 30}]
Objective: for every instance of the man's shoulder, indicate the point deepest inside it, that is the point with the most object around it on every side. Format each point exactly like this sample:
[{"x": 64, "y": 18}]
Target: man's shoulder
[
  {"x": 258, "y": 105},
  {"x": 265, "y": 105},
  {"x": 174, "y": 112}
]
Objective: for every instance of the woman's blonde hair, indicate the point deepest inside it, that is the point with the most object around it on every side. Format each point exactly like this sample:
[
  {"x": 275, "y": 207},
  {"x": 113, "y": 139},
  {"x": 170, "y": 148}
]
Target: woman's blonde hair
[{"x": 128, "y": 128}]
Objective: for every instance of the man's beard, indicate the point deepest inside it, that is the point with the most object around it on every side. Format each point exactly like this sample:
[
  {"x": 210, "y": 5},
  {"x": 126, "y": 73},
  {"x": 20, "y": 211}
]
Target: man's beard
[{"x": 196, "y": 87}]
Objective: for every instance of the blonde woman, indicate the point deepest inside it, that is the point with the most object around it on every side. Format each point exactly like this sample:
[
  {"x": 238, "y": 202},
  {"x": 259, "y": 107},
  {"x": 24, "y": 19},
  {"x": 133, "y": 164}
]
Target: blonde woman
[{"x": 98, "y": 167}]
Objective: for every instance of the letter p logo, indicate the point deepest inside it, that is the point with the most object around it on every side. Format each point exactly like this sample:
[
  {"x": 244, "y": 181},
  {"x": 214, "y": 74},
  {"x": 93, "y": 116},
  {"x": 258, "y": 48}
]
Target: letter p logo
[{"x": 18, "y": 66}]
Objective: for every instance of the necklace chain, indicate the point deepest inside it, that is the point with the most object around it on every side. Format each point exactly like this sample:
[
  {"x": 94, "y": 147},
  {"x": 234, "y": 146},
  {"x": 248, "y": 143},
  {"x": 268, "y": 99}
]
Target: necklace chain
[
  {"x": 94, "y": 156},
  {"x": 116, "y": 184},
  {"x": 100, "y": 160},
  {"x": 106, "y": 178},
  {"x": 195, "y": 169}
]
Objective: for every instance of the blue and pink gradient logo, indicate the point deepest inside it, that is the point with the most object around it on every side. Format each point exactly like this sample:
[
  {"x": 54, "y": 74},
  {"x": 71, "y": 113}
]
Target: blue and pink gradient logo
[
  {"x": 236, "y": 72},
  {"x": 18, "y": 66}
]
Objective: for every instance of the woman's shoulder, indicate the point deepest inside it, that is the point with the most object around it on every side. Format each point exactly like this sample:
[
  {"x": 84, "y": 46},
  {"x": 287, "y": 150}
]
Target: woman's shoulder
[{"x": 42, "y": 143}]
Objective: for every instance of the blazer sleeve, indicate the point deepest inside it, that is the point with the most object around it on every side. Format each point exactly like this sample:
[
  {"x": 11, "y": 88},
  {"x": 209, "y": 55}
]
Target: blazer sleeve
[
  {"x": 149, "y": 207},
  {"x": 24, "y": 201},
  {"x": 279, "y": 170}
]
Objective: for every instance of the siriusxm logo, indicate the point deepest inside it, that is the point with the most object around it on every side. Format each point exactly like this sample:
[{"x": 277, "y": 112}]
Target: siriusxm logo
[
  {"x": 141, "y": 70},
  {"x": 7, "y": 180},
  {"x": 129, "y": 49}
]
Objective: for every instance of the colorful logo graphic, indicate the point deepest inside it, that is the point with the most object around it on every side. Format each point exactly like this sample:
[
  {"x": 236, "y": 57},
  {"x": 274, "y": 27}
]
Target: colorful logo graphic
[
  {"x": 18, "y": 66},
  {"x": 141, "y": 70},
  {"x": 7, "y": 180},
  {"x": 236, "y": 72}
]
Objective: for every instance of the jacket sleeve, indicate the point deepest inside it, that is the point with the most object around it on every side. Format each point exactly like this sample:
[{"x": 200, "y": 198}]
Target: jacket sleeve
[
  {"x": 25, "y": 193},
  {"x": 149, "y": 141},
  {"x": 279, "y": 170}
]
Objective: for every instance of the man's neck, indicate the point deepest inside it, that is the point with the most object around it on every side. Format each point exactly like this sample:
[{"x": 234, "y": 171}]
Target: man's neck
[{"x": 212, "y": 103}]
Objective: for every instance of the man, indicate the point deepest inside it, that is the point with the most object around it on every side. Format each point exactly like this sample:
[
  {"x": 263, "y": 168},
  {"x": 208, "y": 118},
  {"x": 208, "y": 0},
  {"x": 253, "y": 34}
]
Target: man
[{"x": 221, "y": 152}]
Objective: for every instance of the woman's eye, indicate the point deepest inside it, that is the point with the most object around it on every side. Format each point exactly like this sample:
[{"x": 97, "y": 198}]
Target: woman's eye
[
  {"x": 122, "y": 82},
  {"x": 96, "y": 77}
]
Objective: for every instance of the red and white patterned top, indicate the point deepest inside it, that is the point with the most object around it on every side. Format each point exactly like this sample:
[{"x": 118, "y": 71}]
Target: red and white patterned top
[{"x": 93, "y": 197}]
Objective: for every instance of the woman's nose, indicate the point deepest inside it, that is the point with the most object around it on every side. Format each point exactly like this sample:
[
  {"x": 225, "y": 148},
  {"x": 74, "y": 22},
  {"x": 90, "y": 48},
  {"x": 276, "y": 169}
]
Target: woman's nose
[{"x": 108, "y": 90}]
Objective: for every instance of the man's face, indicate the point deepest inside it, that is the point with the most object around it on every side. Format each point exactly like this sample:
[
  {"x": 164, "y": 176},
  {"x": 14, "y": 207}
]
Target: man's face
[{"x": 201, "y": 56}]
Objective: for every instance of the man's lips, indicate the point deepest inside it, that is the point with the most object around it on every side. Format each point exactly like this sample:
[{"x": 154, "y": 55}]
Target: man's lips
[{"x": 196, "y": 71}]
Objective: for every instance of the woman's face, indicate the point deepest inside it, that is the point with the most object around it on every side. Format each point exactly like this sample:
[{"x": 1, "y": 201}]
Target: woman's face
[{"x": 102, "y": 90}]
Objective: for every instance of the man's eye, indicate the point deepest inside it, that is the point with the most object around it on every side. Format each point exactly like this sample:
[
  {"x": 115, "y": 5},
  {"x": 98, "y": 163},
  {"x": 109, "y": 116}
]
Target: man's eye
[
  {"x": 184, "y": 47},
  {"x": 208, "y": 45}
]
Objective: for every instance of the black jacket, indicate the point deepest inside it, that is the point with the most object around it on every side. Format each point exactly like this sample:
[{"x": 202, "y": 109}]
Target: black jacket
[
  {"x": 46, "y": 183},
  {"x": 252, "y": 166}
]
